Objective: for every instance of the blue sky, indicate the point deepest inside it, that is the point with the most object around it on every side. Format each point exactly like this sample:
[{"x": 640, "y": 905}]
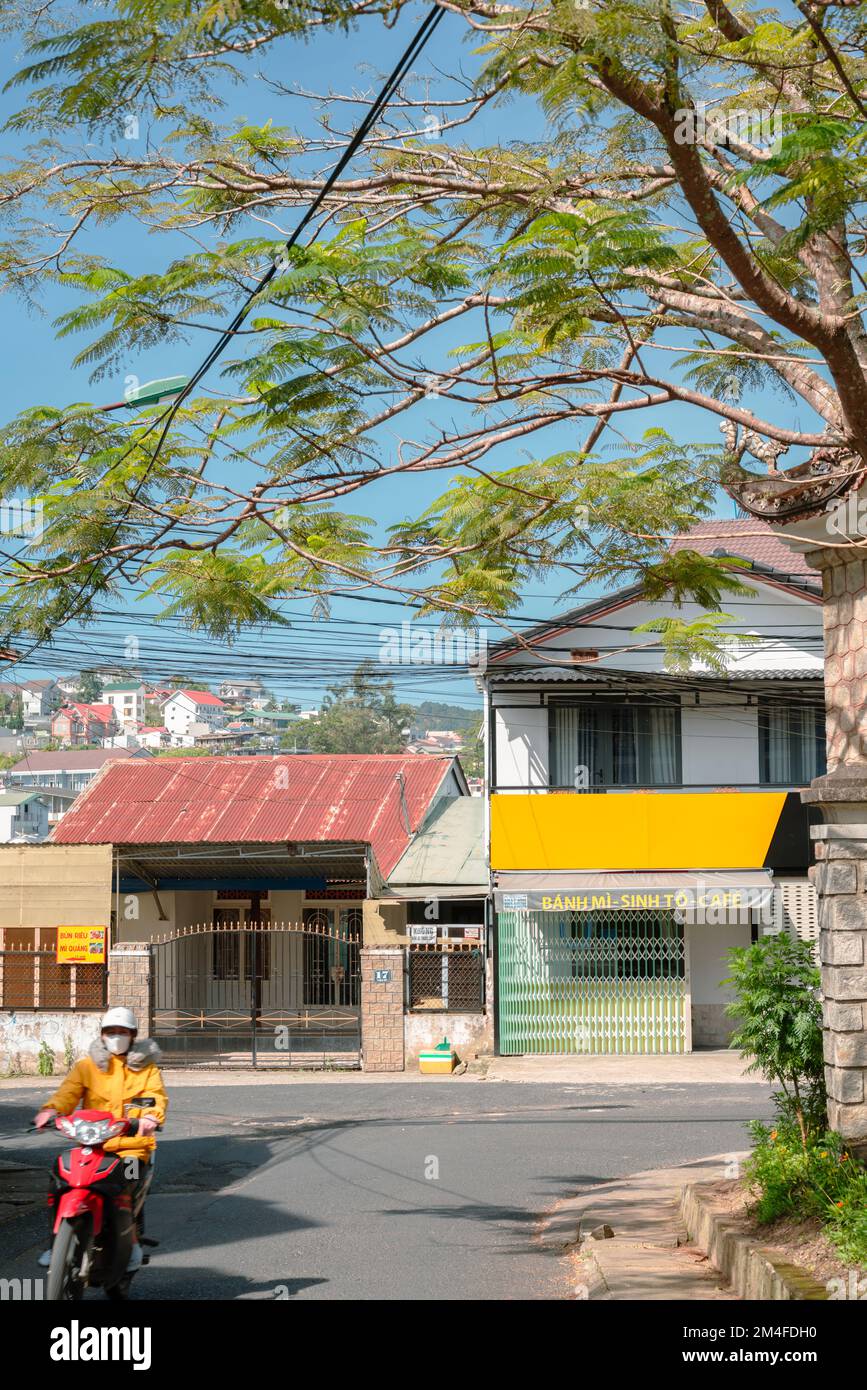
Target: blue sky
[{"x": 40, "y": 371}]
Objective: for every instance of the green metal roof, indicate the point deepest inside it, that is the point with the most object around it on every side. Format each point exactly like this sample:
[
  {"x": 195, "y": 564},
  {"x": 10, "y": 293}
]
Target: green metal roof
[
  {"x": 17, "y": 798},
  {"x": 447, "y": 855},
  {"x": 276, "y": 716}
]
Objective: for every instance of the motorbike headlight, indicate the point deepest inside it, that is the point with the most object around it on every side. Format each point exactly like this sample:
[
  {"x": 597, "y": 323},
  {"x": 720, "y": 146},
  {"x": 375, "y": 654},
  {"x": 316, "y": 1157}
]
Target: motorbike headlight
[{"x": 87, "y": 1133}]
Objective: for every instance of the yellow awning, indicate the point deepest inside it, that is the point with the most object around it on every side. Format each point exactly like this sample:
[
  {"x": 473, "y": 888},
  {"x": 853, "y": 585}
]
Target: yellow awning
[{"x": 633, "y": 830}]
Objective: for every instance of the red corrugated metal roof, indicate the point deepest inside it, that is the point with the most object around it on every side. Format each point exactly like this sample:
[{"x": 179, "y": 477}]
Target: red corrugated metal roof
[
  {"x": 331, "y": 798},
  {"x": 201, "y": 697}
]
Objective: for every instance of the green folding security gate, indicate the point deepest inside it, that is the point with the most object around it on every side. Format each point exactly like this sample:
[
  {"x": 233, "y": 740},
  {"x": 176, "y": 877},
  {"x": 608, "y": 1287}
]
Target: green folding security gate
[{"x": 591, "y": 982}]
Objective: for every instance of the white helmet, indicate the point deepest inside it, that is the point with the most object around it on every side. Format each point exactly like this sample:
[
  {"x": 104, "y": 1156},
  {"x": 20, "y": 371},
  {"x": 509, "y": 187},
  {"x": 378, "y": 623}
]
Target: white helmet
[{"x": 120, "y": 1018}]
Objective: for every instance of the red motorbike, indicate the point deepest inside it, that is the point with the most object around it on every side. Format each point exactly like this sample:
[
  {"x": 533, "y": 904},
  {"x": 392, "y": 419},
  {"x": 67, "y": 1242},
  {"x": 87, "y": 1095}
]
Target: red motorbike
[{"x": 96, "y": 1210}]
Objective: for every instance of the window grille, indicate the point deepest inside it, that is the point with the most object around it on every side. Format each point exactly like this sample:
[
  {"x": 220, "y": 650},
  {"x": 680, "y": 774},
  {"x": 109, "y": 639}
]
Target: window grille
[{"x": 446, "y": 980}]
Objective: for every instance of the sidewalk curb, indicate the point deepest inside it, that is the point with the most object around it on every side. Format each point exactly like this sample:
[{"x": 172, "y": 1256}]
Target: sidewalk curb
[
  {"x": 661, "y": 1219},
  {"x": 754, "y": 1271}
]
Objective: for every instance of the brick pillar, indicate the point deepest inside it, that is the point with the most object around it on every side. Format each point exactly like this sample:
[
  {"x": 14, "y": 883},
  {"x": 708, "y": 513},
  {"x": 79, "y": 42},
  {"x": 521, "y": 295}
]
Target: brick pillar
[
  {"x": 130, "y": 982},
  {"x": 382, "y": 1009},
  {"x": 840, "y": 877}
]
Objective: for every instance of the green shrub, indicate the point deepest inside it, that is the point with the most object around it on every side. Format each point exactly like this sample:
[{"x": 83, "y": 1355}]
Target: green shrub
[
  {"x": 777, "y": 1005},
  {"x": 46, "y": 1060},
  {"x": 847, "y": 1226},
  {"x": 820, "y": 1179}
]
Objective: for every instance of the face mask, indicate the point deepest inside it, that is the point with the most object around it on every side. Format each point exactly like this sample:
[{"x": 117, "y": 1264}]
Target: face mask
[{"x": 116, "y": 1044}]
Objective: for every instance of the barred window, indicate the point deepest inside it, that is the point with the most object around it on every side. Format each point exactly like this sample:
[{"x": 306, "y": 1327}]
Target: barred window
[
  {"x": 446, "y": 980},
  {"x": 32, "y": 979}
]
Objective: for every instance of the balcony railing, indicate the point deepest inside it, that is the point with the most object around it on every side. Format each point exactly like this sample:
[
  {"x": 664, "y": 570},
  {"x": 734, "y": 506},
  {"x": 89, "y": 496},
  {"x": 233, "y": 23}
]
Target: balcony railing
[{"x": 644, "y": 790}]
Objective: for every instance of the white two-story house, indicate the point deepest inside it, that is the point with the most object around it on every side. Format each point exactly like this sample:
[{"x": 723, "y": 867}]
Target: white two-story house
[
  {"x": 23, "y": 818},
  {"x": 188, "y": 707},
  {"x": 643, "y": 822},
  {"x": 127, "y": 698}
]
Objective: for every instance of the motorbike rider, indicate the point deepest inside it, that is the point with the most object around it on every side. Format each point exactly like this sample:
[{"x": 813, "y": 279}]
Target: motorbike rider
[{"x": 119, "y": 1069}]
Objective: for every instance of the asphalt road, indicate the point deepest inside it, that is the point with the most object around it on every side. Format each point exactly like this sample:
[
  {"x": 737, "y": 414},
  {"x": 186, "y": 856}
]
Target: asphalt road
[{"x": 406, "y": 1191}]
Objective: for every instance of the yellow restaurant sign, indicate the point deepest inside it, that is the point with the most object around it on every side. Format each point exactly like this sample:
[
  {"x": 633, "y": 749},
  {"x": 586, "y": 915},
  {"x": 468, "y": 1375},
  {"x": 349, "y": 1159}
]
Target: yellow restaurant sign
[
  {"x": 81, "y": 945},
  {"x": 685, "y": 900}
]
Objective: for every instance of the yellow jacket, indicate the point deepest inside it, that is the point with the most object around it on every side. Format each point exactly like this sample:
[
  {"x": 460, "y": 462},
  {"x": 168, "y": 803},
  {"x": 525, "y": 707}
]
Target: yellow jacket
[{"x": 102, "y": 1081}]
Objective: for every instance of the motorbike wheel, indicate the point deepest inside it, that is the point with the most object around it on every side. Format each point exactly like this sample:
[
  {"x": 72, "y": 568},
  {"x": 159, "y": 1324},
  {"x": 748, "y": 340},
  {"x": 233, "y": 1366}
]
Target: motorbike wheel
[
  {"x": 120, "y": 1291},
  {"x": 64, "y": 1283}
]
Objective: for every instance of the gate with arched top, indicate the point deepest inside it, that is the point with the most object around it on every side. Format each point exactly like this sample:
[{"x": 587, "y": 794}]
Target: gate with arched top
[{"x": 285, "y": 994}]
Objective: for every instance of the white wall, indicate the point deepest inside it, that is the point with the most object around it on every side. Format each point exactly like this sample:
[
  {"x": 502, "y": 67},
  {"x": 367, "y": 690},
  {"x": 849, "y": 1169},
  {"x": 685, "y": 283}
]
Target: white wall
[
  {"x": 780, "y": 618},
  {"x": 708, "y": 948},
  {"x": 720, "y": 741},
  {"x": 521, "y": 746},
  {"x": 179, "y": 715},
  {"x": 708, "y": 962},
  {"x": 22, "y": 1035},
  {"x": 144, "y": 922}
]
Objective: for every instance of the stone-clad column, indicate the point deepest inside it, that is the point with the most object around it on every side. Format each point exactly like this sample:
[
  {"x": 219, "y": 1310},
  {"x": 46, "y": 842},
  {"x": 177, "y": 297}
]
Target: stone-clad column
[
  {"x": 840, "y": 844},
  {"x": 844, "y": 616},
  {"x": 382, "y": 1043},
  {"x": 130, "y": 983},
  {"x": 840, "y": 877}
]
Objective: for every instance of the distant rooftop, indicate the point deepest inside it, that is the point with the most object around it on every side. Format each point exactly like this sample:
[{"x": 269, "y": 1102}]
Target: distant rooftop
[
  {"x": 75, "y": 759},
  {"x": 17, "y": 798},
  {"x": 201, "y": 697},
  {"x": 747, "y": 539}
]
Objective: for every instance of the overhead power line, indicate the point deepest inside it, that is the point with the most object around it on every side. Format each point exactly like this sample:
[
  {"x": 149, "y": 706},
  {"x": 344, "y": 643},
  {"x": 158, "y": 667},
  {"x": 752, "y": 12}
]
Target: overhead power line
[{"x": 401, "y": 69}]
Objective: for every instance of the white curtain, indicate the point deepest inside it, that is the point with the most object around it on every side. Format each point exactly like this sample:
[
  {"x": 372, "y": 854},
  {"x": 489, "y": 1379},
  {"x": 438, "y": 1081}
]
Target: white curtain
[
  {"x": 575, "y": 747},
  {"x": 805, "y": 722},
  {"x": 662, "y": 747},
  {"x": 623, "y": 745},
  {"x": 779, "y": 749}
]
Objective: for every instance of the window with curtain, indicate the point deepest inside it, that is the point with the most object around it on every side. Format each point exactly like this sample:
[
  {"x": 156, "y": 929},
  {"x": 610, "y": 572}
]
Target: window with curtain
[
  {"x": 619, "y": 745},
  {"x": 791, "y": 744}
]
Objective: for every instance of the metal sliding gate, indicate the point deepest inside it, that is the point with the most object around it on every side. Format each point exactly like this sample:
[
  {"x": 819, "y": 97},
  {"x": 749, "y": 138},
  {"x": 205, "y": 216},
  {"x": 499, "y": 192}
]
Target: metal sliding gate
[
  {"x": 591, "y": 982},
  {"x": 261, "y": 995}
]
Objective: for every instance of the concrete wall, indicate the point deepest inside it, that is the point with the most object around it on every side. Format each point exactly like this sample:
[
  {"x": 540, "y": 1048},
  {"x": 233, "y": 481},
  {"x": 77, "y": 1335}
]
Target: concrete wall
[
  {"x": 771, "y": 612},
  {"x": 191, "y": 907},
  {"x": 521, "y": 745},
  {"x": 469, "y": 1034},
  {"x": 287, "y": 905},
  {"x": 384, "y": 923},
  {"x": 139, "y": 919},
  {"x": 708, "y": 961},
  {"x": 720, "y": 744},
  {"x": 22, "y": 1035}
]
